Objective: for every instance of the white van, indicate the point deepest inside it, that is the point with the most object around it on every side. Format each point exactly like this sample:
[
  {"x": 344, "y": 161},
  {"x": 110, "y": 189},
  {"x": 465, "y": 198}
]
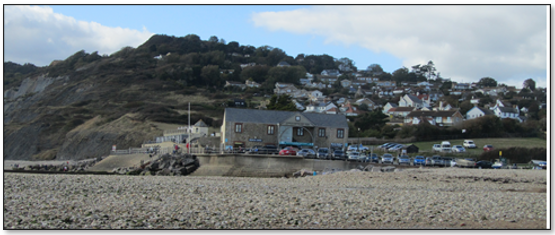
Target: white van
[
  {"x": 469, "y": 144},
  {"x": 445, "y": 146}
]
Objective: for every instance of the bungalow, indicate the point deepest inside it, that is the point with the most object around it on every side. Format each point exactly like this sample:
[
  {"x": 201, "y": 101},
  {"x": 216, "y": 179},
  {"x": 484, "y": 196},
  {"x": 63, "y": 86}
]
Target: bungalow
[
  {"x": 283, "y": 64},
  {"x": 438, "y": 118},
  {"x": 388, "y": 106},
  {"x": 345, "y": 83},
  {"x": 315, "y": 95},
  {"x": 506, "y": 112},
  {"x": 368, "y": 102},
  {"x": 400, "y": 111},
  {"x": 477, "y": 112},
  {"x": 252, "y": 84},
  {"x": 330, "y": 72},
  {"x": 235, "y": 84},
  {"x": 411, "y": 101}
]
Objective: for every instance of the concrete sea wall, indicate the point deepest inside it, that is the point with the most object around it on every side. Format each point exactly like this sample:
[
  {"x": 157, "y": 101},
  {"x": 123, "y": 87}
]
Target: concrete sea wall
[{"x": 247, "y": 165}]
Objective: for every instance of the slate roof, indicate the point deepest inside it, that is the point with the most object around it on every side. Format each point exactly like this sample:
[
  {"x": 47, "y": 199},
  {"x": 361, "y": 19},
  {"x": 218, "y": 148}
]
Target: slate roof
[
  {"x": 414, "y": 99},
  {"x": 486, "y": 111},
  {"x": 273, "y": 116},
  {"x": 507, "y": 109},
  {"x": 201, "y": 123},
  {"x": 449, "y": 113}
]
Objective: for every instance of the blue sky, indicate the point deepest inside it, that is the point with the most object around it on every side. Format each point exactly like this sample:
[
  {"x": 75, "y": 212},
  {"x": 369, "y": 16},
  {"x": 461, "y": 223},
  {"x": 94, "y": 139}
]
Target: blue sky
[{"x": 507, "y": 43}]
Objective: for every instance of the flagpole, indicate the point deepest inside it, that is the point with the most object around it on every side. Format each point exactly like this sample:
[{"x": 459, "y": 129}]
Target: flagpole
[{"x": 189, "y": 130}]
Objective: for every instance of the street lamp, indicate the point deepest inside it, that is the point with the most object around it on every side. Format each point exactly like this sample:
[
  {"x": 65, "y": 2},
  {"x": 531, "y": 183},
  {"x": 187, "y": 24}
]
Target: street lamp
[{"x": 358, "y": 146}]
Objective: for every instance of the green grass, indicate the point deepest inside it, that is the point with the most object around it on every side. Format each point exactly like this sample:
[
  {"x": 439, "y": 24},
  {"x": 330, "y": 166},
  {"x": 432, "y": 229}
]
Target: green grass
[{"x": 425, "y": 148}]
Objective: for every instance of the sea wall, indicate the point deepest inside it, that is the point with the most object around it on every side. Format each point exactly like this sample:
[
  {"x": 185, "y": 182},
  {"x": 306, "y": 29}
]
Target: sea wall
[{"x": 253, "y": 165}]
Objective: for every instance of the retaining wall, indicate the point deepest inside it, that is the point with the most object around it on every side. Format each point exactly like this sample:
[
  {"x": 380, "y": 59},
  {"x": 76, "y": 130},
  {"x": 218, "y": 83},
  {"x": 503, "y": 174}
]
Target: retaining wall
[{"x": 252, "y": 165}]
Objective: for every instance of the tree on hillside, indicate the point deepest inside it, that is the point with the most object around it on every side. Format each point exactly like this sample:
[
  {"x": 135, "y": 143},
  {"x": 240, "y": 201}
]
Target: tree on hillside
[
  {"x": 371, "y": 120},
  {"x": 400, "y": 75},
  {"x": 346, "y": 65},
  {"x": 529, "y": 84},
  {"x": 487, "y": 82},
  {"x": 374, "y": 69},
  {"x": 258, "y": 73},
  {"x": 211, "y": 76},
  {"x": 282, "y": 103}
]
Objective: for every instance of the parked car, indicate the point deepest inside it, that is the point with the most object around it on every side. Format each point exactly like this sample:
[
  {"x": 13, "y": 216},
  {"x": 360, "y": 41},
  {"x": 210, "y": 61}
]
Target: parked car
[
  {"x": 419, "y": 160},
  {"x": 267, "y": 149},
  {"x": 484, "y": 164},
  {"x": 428, "y": 161},
  {"x": 338, "y": 155},
  {"x": 387, "y": 158},
  {"x": 449, "y": 161},
  {"x": 288, "y": 151},
  {"x": 445, "y": 146},
  {"x": 323, "y": 153},
  {"x": 373, "y": 158},
  {"x": 469, "y": 144},
  {"x": 307, "y": 153},
  {"x": 437, "y": 161},
  {"x": 488, "y": 147},
  {"x": 403, "y": 159},
  {"x": 466, "y": 162},
  {"x": 437, "y": 148},
  {"x": 353, "y": 156},
  {"x": 458, "y": 149},
  {"x": 395, "y": 148},
  {"x": 386, "y": 146}
]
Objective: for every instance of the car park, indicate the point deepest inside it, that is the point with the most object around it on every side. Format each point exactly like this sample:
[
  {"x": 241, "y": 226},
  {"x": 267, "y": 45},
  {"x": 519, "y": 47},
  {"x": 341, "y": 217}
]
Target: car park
[
  {"x": 488, "y": 147},
  {"x": 437, "y": 148},
  {"x": 387, "y": 158},
  {"x": 484, "y": 164},
  {"x": 323, "y": 153},
  {"x": 458, "y": 149},
  {"x": 306, "y": 153},
  {"x": 419, "y": 160},
  {"x": 338, "y": 155},
  {"x": 403, "y": 159},
  {"x": 469, "y": 144},
  {"x": 288, "y": 151}
]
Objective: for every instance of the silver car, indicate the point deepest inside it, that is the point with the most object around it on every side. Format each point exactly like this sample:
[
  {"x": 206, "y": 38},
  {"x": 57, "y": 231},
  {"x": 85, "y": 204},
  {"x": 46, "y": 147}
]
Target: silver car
[
  {"x": 403, "y": 159},
  {"x": 306, "y": 153},
  {"x": 387, "y": 158}
]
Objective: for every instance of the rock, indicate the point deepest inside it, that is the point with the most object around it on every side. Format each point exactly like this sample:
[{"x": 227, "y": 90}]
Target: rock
[{"x": 376, "y": 169}]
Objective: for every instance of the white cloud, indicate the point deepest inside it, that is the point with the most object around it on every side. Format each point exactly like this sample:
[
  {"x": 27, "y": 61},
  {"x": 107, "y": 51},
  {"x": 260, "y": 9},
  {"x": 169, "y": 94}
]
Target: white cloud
[
  {"x": 465, "y": 42},
  {"x": 37, "y": 35}
]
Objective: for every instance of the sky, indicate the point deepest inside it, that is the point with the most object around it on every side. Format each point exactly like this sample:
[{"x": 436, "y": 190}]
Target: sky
[{"x": 465, "y": 42}]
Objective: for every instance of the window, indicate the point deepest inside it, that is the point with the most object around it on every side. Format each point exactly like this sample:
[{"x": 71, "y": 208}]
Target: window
[
  {"x": 271, "y": 129},
  {"x": 300, "y": 131},
  {"x": 438, "y": 119},
  {"x": 322, "y": 132},
  {"x": 238, "y": 127},
  {"x": 448, "y": 119},
  {"x": 340, "y": 133}
]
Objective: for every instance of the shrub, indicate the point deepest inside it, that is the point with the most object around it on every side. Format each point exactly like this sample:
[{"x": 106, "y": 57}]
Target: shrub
[{"x": 516, "y": 154}]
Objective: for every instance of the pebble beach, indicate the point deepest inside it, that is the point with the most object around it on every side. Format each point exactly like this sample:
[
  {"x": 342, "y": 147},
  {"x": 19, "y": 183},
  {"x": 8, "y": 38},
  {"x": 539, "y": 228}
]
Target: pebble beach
[{"x": 418, "y": 198}]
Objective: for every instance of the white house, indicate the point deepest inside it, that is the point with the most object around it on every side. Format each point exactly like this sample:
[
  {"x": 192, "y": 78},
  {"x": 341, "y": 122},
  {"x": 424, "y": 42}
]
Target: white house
[
  {"x": 345, "y": 83},
  {"x": 371, "y": 104},
  {"x": 388, "y": 106},
  {"x": 477, "y": 112},
  {"x": 330, "y": 72},
  {"x": 506, "y": 112},
  {"x": 315, "y": 95},
  {"x": 411, "y": 101}
]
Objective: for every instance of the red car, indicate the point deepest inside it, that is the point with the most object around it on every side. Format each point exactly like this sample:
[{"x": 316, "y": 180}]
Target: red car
[
  {"x": 288, "y": 151},
  {"x": 488, "y": 147}
]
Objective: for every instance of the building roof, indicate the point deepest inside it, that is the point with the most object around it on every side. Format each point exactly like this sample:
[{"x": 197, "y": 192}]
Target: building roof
[
  {"x": 414, "y": 98},
  {"x": 449, "y": 113},
  {"x": 201, "y": 123},
  {"x": 507, "y": 109},
  {"x": 485, "y": 111},
  {"x": 274, "y": 116},
  {"x": 401, "y": 109}
]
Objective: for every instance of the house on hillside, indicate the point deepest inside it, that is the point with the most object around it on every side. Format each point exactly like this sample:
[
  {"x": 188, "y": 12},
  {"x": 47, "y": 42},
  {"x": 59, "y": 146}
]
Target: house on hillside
[
  {"x": 399, "y": 112},
  {"x": 388, "y": 106},
  {"x": 252, "y": 84},
  {"x": 348, "y": 110},
  {"x": 283, "y": 64},
  {"x": 330, "y": 72},
  {"x": 235, "y": 84},
  {"x": 477, "y": 112},
  {"x": 346, "y": 83},
  {"x": 442, "y": 106},
  {"x": 411, "y": 101},
  {"x": 437, "y": 118}
]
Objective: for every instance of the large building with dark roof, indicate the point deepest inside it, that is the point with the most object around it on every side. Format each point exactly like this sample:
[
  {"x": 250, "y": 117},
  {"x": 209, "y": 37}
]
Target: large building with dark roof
[{"x": 250, "y": 127}]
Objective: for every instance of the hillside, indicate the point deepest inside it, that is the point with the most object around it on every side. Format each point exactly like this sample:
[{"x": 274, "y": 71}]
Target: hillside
[{"x": 79, "y": 107}]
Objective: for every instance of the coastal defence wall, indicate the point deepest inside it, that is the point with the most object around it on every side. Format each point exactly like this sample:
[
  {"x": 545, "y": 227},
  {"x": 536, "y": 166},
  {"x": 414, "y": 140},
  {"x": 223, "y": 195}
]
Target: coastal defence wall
[{"x": 247, "y": 165}]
